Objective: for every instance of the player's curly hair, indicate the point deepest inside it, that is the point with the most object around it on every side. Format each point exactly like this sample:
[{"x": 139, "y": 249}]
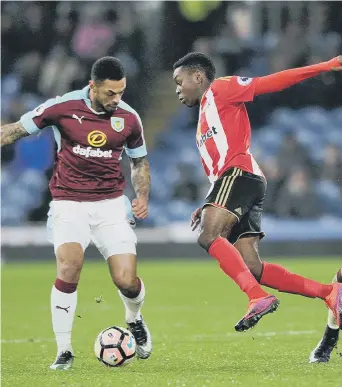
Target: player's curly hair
[
  {"x": 107, "y": 67},
  {"x": 197, "y": 61}
]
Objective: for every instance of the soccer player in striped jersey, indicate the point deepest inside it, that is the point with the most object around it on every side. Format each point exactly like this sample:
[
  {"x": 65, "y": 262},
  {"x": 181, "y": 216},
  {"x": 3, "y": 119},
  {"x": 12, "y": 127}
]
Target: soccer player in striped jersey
[
  {"x": 321, "y": 354},
  {"x": 230, "y": 219}
]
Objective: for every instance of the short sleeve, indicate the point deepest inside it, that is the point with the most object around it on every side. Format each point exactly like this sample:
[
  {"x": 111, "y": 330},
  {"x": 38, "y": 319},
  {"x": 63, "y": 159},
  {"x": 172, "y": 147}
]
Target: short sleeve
[
  {"x": 135, "y": 145},
  {"x": 41, "y": 117},
  {"x": 235, "y": 89}
]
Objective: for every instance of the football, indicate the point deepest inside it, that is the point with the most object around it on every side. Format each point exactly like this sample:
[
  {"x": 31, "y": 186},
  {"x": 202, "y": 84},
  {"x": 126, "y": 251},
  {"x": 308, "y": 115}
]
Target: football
[{"x": 115, "y": 346}]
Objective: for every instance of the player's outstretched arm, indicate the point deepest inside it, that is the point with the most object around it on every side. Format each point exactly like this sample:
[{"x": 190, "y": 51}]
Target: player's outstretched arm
[
  {"x": 284, "y": 79},
  {"x": 140, "y": 176},
  {"x": 12, "y": 132}
]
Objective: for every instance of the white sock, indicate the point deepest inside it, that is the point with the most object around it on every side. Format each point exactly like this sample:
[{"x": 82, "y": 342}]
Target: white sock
[
  {"x": 63, "y": 306},
  {"x": 133, "y": 305},
  {"x": 331, "y": 318}
]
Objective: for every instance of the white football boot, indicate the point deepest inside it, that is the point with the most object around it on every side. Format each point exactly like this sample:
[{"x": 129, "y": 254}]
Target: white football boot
[
  {"x": 63, "y": 361},
  {"x": 142, "y": 337}
]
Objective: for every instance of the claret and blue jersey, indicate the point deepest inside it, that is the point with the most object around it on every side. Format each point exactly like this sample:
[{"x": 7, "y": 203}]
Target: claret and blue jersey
[{"x": 89, "y": 145}]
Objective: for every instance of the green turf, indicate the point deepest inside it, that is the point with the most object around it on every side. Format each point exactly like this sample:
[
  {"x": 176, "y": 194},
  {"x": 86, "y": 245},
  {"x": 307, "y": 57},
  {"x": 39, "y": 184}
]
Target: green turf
[{"x": 191, "y": 309}]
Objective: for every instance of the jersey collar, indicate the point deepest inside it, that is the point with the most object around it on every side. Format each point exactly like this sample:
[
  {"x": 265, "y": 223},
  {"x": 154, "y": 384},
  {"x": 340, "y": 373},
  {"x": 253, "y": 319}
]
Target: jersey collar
[
  {"x": 85, "y": 96},
  {"x": 204, "y": 95}
]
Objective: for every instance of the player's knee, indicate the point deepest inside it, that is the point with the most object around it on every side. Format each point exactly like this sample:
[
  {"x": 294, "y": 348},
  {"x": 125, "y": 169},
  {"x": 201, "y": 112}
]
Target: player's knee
[
  {"x": 69, "y": 263},
  {"x": 70, "y": 271},
  {"x": 125, "y": 280},
  {"x": 205, "y": 239}
]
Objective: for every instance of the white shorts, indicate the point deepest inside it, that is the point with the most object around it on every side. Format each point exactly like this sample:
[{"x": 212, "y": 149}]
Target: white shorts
[{"x": 104, "y": 222}]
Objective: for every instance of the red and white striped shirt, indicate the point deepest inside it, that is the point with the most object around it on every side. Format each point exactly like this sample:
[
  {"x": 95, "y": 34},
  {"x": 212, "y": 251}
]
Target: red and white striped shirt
[{"x": 224, "y": 132}]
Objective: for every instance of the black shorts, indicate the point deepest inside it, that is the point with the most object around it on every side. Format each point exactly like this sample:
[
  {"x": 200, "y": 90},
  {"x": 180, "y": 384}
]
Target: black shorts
[{"x": 243, "y": 194}]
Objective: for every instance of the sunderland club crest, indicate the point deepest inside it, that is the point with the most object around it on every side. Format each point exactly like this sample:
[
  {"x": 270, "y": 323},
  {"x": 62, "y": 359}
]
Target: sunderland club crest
[{"x": 118, "y": 124}]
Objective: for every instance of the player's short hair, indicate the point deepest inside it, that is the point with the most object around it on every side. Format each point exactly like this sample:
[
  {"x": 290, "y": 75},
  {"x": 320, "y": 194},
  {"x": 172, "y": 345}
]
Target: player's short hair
[
  {"x": 107, "y": 67},
  {"x": 197, "y": 61}
]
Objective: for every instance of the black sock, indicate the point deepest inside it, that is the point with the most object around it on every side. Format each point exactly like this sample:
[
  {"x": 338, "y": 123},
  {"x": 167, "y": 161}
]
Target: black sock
[{"x": 331, "y": 334}]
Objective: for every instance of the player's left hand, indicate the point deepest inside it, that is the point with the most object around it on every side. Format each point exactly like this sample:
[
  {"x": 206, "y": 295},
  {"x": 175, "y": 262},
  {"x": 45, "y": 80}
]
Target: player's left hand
[
  {"x": 140, "y": 208},
  {"x": 338, "y": 68}
]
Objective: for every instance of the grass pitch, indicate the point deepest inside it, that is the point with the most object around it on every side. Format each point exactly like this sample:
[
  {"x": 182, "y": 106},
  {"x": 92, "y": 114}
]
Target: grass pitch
[{"x": 191, "y": 309}]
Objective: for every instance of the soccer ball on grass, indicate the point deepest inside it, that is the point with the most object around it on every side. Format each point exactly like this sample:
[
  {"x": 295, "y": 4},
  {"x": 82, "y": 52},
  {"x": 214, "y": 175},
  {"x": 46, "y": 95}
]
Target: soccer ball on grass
[{"x": 115, "y": 346}]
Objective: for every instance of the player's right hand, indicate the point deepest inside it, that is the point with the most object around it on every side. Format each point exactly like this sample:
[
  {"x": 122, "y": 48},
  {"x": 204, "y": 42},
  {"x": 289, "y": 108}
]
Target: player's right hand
[
  {"x": 196, "y": 218},
  {"x": 140, "y": 208}
]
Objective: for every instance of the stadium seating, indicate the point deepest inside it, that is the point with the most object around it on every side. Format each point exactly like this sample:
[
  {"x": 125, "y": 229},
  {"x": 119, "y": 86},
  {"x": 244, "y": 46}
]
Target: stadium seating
[
  {"x": 23, "y": 182},
  {"x": 313, "y": 126}
]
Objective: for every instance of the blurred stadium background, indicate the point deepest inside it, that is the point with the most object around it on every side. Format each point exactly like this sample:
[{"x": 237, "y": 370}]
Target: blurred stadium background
[{"x": 48, "y": 48}]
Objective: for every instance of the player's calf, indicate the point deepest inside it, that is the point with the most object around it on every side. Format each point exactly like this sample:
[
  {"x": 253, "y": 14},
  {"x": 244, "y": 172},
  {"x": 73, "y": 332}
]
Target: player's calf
[
  {"x": 278, "y": 277},
  {"x": 69, "y": 257},
  {"x": 63, "y": 307},
  {"x": 132, "y": 292},
  {"x": 232, "y": 264},
  {"x": 133, "y": 301}
]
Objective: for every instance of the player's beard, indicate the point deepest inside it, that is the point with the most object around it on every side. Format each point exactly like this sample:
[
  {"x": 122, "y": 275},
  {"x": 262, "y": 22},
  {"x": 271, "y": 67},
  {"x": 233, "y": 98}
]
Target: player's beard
[
  {"x": 101, "y": 107},
  {"x": 109, "y": 110},
  {"x": 98, "y": 106}
]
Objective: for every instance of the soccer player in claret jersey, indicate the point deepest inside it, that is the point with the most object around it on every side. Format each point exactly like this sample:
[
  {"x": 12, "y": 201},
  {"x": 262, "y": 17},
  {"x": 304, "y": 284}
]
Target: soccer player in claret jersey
[
  {"x": 321, "y": 354},
  {"x": 230, "y": 219},
  {"x": 92, "y": 127}
]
